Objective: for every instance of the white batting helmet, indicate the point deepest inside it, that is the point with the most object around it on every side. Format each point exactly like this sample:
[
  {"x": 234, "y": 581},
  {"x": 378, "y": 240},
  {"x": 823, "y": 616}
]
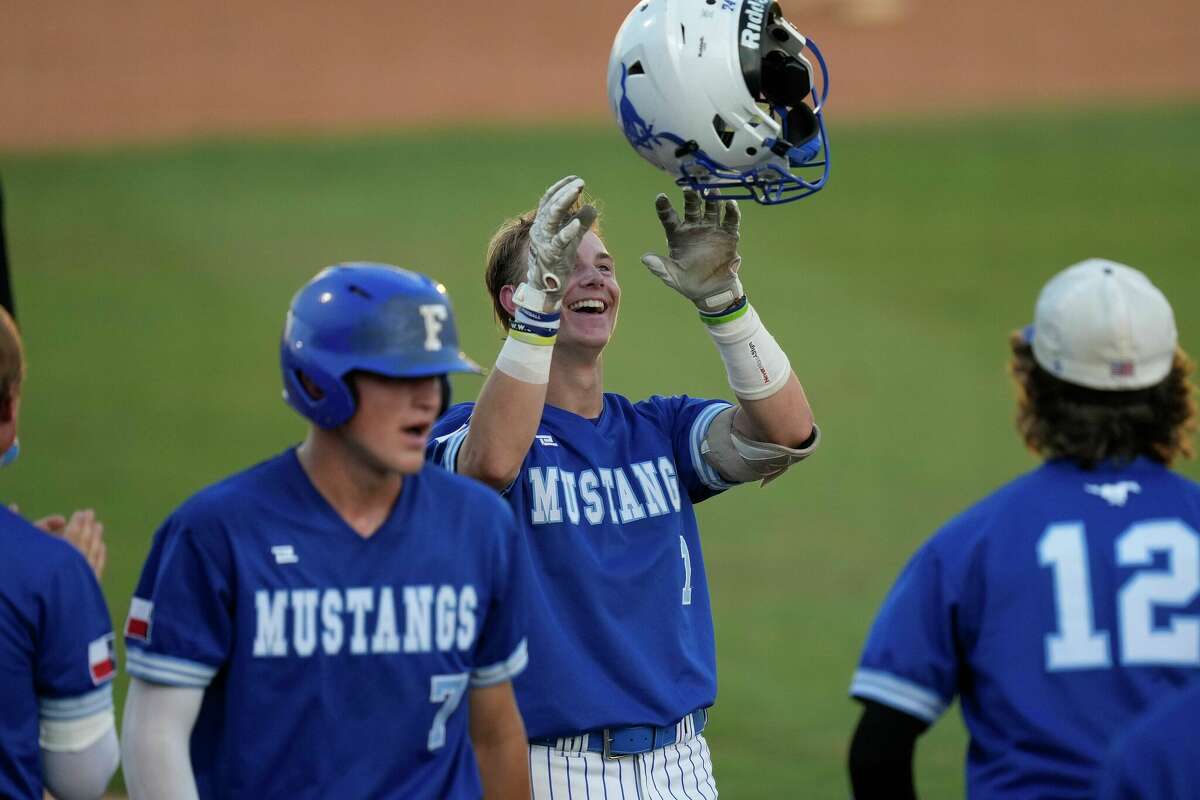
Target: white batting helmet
[{"x": 720, "y": 94}]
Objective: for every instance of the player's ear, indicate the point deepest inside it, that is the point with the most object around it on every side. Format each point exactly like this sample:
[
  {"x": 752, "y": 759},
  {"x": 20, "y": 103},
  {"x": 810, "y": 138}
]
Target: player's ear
[
  {"x": 8, "y": 406},
  {"x": 311, "y": 388},
  {"x": 506, "y": 300},
  {"x": 8, "y": 419}
]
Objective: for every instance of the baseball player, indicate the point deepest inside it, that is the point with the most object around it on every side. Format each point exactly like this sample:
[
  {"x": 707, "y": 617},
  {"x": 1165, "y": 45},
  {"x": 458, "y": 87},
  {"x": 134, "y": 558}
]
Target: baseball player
[
  {"x": 1159, "y": 757},
  {"x": 341, "y": 620},
  {"x": 623, "y": 668},
  {"x": 1063, "y": 604},
  {"x": 56, "y": 657}
]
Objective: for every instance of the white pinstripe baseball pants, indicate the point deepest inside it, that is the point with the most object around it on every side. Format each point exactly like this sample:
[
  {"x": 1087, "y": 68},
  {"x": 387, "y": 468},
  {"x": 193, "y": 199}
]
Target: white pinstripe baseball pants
[{"x": 681, "y": 771}]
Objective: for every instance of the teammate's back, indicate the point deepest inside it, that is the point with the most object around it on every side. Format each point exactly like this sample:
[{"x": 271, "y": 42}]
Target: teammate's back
[
  {"x": 1064, "y": 604},
  {"x": 1075, "y": 606}
]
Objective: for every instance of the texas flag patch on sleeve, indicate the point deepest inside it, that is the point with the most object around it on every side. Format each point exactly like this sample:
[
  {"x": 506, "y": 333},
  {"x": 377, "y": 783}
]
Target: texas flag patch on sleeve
[
  {"x": 101, "y": 661},
  {"x": 137, "y": 626}
]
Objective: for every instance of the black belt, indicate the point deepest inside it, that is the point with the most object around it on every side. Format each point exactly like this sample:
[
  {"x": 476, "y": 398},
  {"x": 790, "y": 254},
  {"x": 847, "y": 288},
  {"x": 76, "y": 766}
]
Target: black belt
[{"x": 632, "y": 740}]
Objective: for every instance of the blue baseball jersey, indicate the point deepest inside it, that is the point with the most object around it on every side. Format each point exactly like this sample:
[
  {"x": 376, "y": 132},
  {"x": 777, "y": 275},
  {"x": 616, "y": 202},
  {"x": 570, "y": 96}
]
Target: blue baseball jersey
[
  {"x": 621, "y": 628},
  {"x": 1159, "y": 758},
  {"x": 1057, "y": 609},
  {"x": 56, "y": 658},
  {"x": 332, "y": 665}
]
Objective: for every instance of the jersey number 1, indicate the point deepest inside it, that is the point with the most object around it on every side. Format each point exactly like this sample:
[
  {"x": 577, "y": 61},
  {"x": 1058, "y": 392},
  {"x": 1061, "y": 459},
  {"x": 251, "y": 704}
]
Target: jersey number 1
[
  {"x": 687, "y": 571},
  {"x": 1077, "y": 644}
]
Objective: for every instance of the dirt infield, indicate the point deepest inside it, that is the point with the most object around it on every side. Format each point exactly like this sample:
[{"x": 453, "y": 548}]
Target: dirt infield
[{"x": 91, "y": 71}]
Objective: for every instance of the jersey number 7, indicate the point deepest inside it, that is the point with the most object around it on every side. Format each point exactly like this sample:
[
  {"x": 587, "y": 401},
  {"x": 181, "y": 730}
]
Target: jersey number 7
[{"x": 447, "y": 690}]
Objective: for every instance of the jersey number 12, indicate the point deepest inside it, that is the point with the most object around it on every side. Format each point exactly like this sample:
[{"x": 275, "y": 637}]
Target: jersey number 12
[{"x": 1077, "y": 644}]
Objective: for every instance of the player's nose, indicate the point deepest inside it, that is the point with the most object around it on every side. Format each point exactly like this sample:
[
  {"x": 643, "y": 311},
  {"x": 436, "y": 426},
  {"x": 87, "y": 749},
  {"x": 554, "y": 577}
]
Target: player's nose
[
  {"x": 589, "y": 274},
  {"x": 427, "y": 393}
]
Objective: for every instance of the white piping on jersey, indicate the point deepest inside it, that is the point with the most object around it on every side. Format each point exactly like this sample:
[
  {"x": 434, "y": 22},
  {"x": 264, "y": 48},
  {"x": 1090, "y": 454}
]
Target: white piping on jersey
[
  {"x": 454, "y": 441},
  {"x": 883, "y": 687},
  {"x": 167, "y": 670},
  {"x": 707, "y": 473},
  {"x": 77, "y": 707},
  {"x": 506, "y": 670}
]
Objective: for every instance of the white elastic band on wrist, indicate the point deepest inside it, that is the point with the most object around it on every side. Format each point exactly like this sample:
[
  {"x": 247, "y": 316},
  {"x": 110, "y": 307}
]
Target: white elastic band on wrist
[
  {"x": 524, "y": 361},
  {"x": 530, "y": 344},
  {"x": 755, "y": 364}
]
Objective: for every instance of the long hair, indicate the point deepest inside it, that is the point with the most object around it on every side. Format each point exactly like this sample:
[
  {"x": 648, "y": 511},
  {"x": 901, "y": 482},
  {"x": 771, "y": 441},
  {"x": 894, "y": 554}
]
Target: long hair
[{"x": 1062, "y": 420}]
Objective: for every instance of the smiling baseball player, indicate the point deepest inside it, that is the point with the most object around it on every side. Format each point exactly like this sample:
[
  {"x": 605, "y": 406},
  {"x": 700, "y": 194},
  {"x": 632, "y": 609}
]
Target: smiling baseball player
[
  {"x": 624, "y": 668},
  {"x": 341, "y": 620}
]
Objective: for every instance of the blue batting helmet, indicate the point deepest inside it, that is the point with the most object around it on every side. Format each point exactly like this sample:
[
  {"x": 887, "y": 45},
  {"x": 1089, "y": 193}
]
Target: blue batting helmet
[{"x": 367, "y": 317}]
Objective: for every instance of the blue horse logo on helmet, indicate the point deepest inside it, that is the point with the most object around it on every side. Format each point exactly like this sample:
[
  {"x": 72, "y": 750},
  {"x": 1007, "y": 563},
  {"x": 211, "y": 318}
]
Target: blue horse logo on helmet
[{"x": 639, "y": 132}]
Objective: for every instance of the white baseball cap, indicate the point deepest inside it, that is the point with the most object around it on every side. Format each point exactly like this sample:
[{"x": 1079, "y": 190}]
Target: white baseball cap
[{"x": 1104, "y": 325}]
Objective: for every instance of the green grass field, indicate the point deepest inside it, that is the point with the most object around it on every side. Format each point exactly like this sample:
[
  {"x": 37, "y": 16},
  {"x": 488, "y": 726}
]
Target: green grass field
[{"x": 151, "y": 286}]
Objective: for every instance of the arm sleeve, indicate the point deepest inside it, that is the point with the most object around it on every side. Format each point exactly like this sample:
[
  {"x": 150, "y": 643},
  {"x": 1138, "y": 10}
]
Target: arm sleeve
[
  {"x": 910, "y": 661},
  {"x": 83, "y": 774},
  {"x": 180, "y": 625},
  {"x": 881, "y": 753},
  {"x": 74, "y": 664},
  {"x": 502, "y": 651},
  {"x": 156, "y": 736}
]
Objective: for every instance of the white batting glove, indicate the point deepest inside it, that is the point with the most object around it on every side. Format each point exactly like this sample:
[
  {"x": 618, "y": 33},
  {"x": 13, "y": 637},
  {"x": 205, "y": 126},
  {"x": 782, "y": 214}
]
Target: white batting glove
[
  {"x": 703, "y": 260},
  {"x": 553, "y": 242}
]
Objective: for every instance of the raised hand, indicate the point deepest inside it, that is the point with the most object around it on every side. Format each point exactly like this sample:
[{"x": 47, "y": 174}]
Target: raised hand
[
  {"x": 702, "y": 261},
  {"x": 84, "y": 531},
  {"x": 553, "y": 242}
]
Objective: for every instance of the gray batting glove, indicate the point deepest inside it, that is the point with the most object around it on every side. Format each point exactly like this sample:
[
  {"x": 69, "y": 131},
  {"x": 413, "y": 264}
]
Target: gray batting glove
[
  {"x": 553, "y": 242},
  {"x": 703, "y": 260}
]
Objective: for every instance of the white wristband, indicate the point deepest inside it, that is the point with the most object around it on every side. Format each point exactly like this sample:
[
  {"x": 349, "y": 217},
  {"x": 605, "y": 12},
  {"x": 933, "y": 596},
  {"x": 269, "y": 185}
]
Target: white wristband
[
  {"x": 755, "y": 364},
  {"x": 526, "y": 362}
]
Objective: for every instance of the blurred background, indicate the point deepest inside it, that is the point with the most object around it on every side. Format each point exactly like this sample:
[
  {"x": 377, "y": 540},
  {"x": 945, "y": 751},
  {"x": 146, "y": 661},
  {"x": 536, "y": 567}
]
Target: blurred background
[{"x": 173, "y": 172}]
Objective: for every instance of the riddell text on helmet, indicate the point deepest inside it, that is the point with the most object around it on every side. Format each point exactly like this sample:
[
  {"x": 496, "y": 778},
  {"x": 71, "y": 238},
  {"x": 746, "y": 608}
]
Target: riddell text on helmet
[{"x": 753, "y": 14}]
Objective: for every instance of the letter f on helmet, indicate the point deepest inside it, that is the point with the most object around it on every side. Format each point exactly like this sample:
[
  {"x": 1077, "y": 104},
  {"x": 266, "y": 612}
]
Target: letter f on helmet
[
  {"x": 433, "y": 315},
  {"x": 365, "y": 317}
]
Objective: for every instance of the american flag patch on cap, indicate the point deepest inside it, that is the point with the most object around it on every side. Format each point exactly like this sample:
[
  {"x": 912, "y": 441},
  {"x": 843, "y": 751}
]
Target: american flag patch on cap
[
  {"x": 137, "y": 626},
  {"x": 101, "y": 662},
  {"x": 1121, "y": 369}
]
